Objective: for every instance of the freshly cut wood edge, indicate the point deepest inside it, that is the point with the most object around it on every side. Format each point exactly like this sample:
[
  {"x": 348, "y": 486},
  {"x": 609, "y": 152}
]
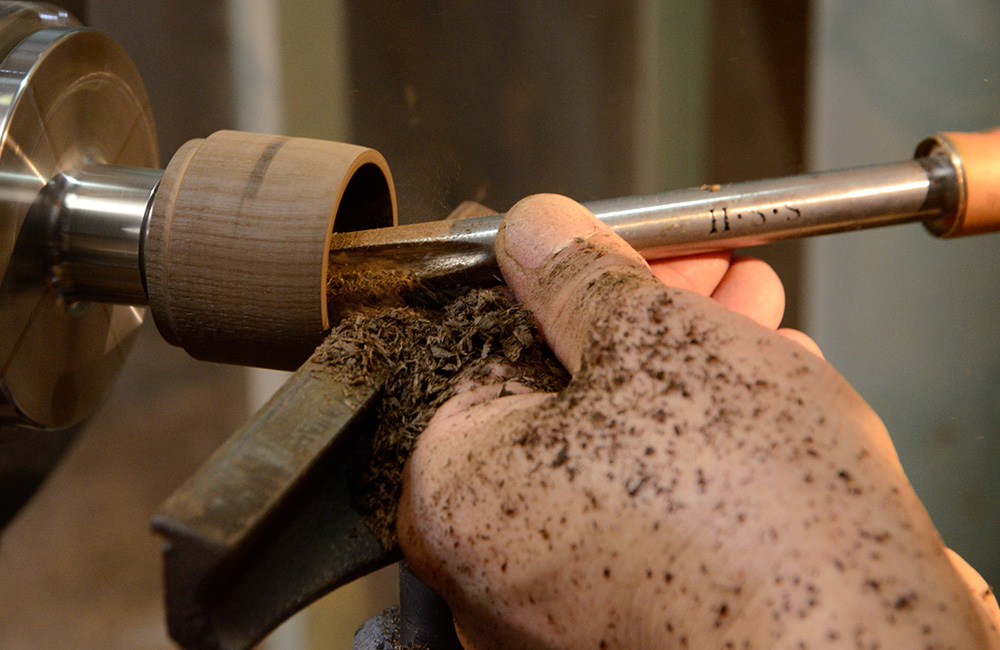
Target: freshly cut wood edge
[{"x": 238, "y": 239}]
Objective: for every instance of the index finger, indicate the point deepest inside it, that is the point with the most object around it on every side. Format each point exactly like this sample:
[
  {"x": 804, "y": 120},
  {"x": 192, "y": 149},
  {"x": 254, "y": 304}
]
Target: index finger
[{"x": 699, "y": 273}]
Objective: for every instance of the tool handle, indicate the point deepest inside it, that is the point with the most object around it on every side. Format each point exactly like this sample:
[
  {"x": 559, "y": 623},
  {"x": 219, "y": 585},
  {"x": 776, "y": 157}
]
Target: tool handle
[{"x": 976, "y": 158}]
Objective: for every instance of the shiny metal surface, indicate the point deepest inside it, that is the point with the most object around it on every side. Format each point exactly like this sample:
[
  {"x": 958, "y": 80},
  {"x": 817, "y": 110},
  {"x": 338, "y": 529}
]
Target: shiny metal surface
[
  {"x": 69, "y": 98},
  {"x": 750, "y": 214},
  {"x": 677, "y": 223},
  {"x": 938, "y": 147},
  {"x": 19, "y": 19},
  {"x": 99, "y": 215}
]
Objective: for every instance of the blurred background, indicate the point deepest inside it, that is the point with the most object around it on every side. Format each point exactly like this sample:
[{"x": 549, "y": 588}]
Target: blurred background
[{"x": 493, "y": 100}]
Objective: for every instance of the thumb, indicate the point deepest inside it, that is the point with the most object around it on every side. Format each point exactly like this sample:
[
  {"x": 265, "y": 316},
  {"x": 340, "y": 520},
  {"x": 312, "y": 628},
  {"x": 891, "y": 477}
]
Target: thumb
[{"x": 567, "y": 267}]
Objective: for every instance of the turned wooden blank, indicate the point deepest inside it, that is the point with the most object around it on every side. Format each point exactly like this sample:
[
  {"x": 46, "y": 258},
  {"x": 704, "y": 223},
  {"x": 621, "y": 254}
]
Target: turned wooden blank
[{"x": 238, "y": 237}]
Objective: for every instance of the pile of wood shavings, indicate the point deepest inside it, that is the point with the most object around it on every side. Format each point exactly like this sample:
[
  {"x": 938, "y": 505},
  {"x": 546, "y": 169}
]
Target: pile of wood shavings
[{"x": 418, "y": 354}]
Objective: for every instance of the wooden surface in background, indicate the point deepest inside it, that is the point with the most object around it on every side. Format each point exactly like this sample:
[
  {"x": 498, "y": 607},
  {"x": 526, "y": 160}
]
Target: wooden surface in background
[
  {"x": 758, "y": 99},
  {"x": 494, "y": 101}
]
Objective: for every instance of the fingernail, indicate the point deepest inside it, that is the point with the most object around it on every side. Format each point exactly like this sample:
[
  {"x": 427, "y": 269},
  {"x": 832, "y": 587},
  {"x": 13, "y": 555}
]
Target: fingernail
[{"x": 540, "y": 226}]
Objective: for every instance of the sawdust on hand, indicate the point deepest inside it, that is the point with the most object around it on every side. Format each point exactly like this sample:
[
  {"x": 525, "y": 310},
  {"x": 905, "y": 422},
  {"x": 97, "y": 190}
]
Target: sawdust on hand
[{"x": 418, "y": 351}]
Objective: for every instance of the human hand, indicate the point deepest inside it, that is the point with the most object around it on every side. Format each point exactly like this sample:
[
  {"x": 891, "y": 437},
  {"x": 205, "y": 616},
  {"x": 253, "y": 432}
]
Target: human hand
[{"x": 702, "y": 482}]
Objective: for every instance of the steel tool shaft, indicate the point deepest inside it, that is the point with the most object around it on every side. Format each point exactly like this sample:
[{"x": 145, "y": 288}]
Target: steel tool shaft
[{"x": 681, "y": 222}]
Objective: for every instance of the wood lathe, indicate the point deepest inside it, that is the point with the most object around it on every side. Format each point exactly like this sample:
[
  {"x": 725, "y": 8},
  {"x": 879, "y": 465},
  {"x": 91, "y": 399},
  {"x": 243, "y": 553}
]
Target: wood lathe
[
  {"x": 232, "y": 248},
  {"x": 228, "y": 247}
]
